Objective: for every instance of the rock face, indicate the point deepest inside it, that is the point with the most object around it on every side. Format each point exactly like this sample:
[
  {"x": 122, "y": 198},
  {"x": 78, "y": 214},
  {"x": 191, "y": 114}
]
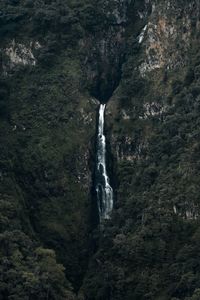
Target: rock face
[
  {"x": 57, "y": 59},
  {"x": 104, "y": 50},
  {"x": 20, "y": 54},
  {"x": 150, "y": 122},
  {"x": 46, "y": 161},
  {"x": 169, "y": 24}
]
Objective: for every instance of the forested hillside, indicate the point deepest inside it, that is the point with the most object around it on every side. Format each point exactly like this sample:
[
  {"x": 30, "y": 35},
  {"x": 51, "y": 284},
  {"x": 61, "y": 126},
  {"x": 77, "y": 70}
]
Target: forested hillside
[{"x": 59, "y": 60}]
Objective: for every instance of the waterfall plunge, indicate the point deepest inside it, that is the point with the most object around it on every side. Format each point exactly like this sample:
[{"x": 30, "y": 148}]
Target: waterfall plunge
[{"x": 103, "y": 189}]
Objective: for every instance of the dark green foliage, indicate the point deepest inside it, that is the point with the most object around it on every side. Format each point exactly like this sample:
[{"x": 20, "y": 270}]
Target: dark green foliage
[
  {"x": 189, "y": 76},
  {"x": 45, "y": 137},
  {"x": 4, "y": 95},
  {"x": 28, "y": 272},
  {"x": 150, "y": 248}
]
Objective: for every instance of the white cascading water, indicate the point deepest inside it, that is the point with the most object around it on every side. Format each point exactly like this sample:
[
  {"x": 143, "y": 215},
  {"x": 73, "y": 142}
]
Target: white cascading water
[{"x": 103, "y": 189}]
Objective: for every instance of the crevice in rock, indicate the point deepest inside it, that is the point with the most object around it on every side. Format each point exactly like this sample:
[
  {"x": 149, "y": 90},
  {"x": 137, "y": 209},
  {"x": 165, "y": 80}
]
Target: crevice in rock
[
  {"x": 105, "y": 84},
  {"x": 103, "y": 74}
]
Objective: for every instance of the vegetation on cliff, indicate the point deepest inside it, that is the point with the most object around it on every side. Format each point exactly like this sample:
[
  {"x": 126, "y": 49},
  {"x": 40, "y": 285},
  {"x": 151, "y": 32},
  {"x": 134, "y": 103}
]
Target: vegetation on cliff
[
  {"x": 55, "y": 56},
  {"x": 149, "y": 250}
]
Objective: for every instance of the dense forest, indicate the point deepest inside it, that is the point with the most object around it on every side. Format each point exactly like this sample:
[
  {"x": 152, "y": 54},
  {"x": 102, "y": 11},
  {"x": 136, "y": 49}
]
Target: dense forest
[{"x": 59, "y": 59}]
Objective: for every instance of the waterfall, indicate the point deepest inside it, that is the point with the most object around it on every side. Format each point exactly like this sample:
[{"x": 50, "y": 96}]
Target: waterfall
[{"x": 103, "y": 189}]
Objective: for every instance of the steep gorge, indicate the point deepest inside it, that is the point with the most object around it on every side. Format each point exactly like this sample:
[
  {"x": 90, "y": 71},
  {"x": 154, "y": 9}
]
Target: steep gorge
[
  {"x": 141, "y": 58},
  {"x": 152, "y": 119}
]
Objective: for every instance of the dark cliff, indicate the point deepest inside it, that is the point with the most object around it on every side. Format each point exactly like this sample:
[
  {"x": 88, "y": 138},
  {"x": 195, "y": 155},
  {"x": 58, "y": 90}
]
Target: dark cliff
[{"x": 142, "y": 59}]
